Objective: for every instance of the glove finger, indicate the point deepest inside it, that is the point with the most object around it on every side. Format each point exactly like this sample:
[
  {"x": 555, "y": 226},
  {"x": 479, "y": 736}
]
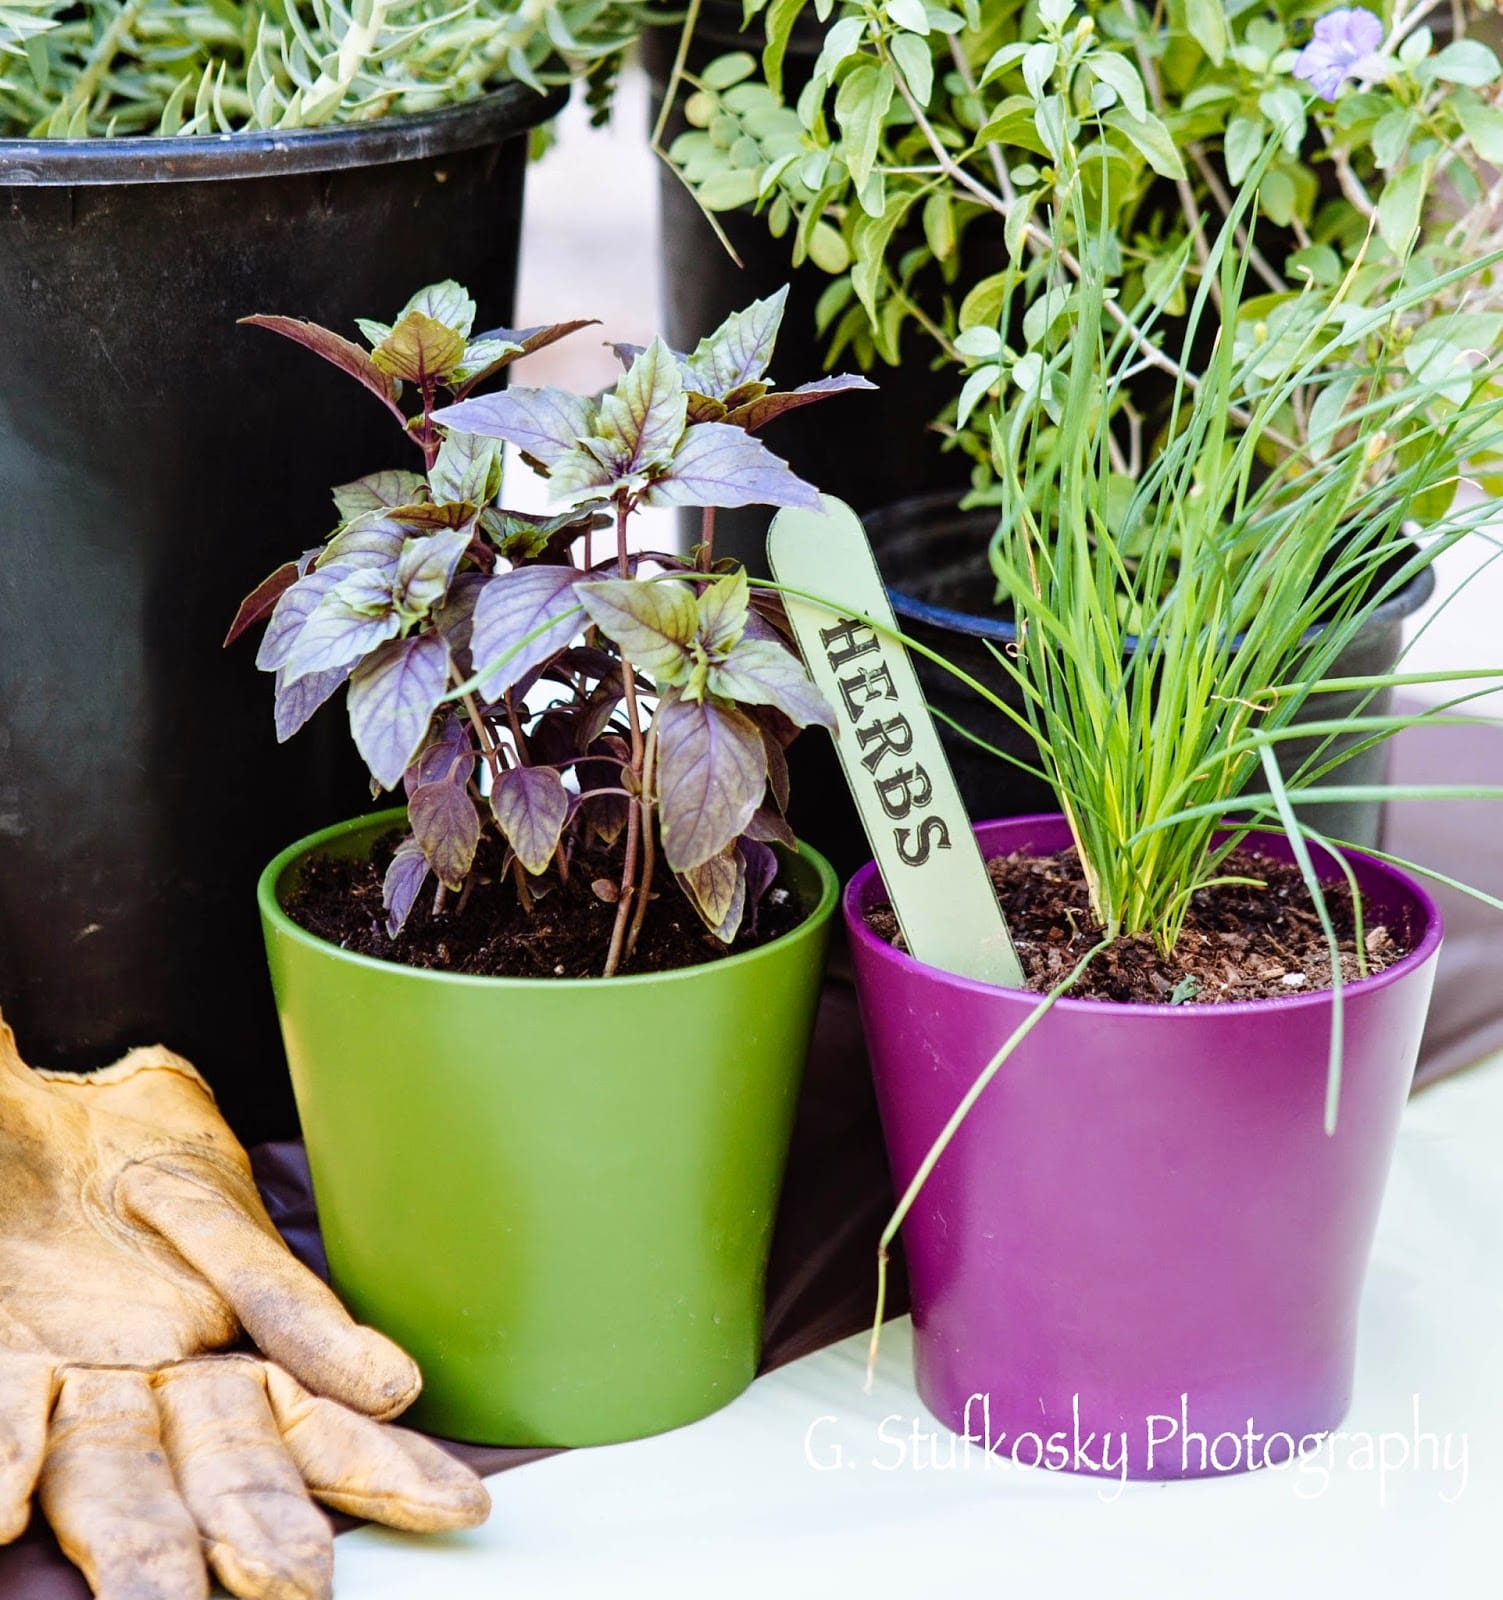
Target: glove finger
[
  {"x": 292, "y": 1316},
  {"x": 371, "y": 1469},
  {"x": 264, "y": 1538},
  {"x": 109, "y": 1494},
  {"x": 26, "y": 1386}
]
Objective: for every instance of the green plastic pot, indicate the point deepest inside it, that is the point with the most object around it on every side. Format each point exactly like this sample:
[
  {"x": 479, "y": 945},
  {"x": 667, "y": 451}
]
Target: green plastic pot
[{"x": 557, "y": 1194}]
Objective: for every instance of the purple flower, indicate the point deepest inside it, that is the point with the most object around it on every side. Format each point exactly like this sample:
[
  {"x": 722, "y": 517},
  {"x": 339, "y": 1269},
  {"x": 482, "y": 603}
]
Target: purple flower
[{"x": 1344, "y": 47}]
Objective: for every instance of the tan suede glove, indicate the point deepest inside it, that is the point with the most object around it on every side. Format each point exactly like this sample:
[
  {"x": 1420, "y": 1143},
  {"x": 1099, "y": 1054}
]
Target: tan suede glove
[{"x": 133, "y": 1244}]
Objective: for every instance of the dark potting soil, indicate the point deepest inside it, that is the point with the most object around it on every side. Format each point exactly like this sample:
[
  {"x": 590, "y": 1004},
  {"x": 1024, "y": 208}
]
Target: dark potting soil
[
  {"x": 565, "y": 935},
  {"x": 1239, "y": 942}
]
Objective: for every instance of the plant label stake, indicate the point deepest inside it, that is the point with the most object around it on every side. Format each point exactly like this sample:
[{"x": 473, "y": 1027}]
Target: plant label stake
[{"x": 888, "y": 745}]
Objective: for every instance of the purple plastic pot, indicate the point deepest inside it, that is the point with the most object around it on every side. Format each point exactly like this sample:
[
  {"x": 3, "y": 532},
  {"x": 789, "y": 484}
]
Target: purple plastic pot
[{"x": 1141, "y": 1243}]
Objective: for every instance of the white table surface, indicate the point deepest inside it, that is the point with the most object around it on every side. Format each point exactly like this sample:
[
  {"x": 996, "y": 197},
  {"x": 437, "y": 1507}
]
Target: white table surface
[{"x": 746, "y": 1502}]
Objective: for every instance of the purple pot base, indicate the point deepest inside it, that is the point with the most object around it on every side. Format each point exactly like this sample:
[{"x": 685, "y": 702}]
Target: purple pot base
[{"x": 1142, "y": 1216}]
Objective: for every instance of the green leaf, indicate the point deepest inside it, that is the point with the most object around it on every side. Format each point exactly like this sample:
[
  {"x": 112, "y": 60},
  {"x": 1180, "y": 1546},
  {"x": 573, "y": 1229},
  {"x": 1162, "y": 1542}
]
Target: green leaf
[
  {"x": 1243, "y": 145},
  {"x": 653, "y": 623},
  {"x": 869, "y": 241},
  {"x": 861, "y": 104},
  {"x": 420, "y": 350},
  {"x": 939, "y": 224},
  {"x": 1152, "y": 140},
  {"x": 712, "y": 772},
  {"x": 781, "y": 15},
  {"x": 982, "y": 307},
  {"x": 728, "y": 190},
  {"x": 827, "y": 250},
  {"x": 1483, "y": 126},
  {"x": 727, "y": 70},
  {"x": 976, "y": 387},
  {"x": 910, "y": 14},
  {"x": 916, "y": 64},
  {"x": 1206, "y": 21},
  {"x": 531, "y": 806},
  {"x": 1466, "y": 61},
  {"x": 1400, "y": 206},
  {"x": 1118, "y": 72}
]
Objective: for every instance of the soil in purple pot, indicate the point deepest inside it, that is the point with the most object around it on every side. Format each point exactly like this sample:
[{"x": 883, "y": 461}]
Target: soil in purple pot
[
  {"x": 1239, "y": 941},
  {"x": 487, "y": 932}
]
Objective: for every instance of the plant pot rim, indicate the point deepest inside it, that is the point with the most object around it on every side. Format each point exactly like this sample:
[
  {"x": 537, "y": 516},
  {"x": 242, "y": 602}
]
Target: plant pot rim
[
  {"x": 859, "y": 890},
  {"x": 1403, "y": 603},
  {"x": 380, "y": 821},
  {"x": 509, "y": 109}
]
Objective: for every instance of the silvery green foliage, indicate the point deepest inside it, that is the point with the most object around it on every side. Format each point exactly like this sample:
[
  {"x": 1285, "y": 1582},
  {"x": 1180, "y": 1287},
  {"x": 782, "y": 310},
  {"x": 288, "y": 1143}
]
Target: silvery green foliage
[
  {"x": 440, "y": 611},
  {"x": 100, "y": 67},
  {"x": 928, "y": 163}
]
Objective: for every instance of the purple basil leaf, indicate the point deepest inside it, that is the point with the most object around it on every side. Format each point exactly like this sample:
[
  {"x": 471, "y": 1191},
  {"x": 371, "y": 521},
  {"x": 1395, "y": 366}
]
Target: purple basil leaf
[
  {"x": 393, "y": 695},
  {"x": 717, "y": 890},
  {"x": 373, "y": 540},
  {"x": 446, "y": 827},
  {"x": 468, "y": 469},
  {"x": 419, "y": 350},
  {"x": 765, "y": 674},
  {"x": 704, "y": 409},
  {"x": 755, "y": 413},
  {"x": 739, "y": 349},
  {"x": 553, "y": 739},
  {"x": 761, "y": 872},
  {"x": 456, "y": 617},
  {"x": 262, "y": 600},
  {"x": 712, "y": 771},
  {"x": 448, "y": 757},
  {"x": 531, "y": 807},
  {"x": 295, "y": 702},
  {"x": 606, "y": 814},
  {"x": 723, "y": 608},
  {"x": 626, "y": 353},
  {"x": 427, "y": 568},
  {"x": 654, "y": 623},
  {"x": 718, "y": 465},
  {"x": 596, "y": 713},
  {"x": 519, "y": 342},
  {"x": 291, "y": 613},
  {"x": 768, "y": 827},
  {"x": 447, "y": 302},
  {"x": 642, "y": 419},
  {"x": 404, "y": 882},
  {"x": 378, "y": 490},
  {"x": 342, "y": 353},
  {"x": 511, "y": 607},
  {"x": 546, "y": 423}
]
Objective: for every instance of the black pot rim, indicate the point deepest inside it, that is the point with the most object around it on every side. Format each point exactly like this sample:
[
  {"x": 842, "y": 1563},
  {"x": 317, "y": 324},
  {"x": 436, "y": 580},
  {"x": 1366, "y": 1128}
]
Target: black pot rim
[
  {"x": 511, "y": 109},
  {"x": 1403, "y": 603}
]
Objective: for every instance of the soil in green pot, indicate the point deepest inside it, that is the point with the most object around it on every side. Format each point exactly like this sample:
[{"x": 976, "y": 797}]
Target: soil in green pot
[
  {"x": 487, "y": 932},
  {"x": 1240, "y": 941}
]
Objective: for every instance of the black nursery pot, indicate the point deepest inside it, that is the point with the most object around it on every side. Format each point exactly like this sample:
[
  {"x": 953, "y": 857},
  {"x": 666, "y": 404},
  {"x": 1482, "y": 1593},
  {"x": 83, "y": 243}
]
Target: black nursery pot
[
  {"x": 867, "y": 449},
  {"x": 934, "y": 561},
  {"x": 157, "y": 461}
]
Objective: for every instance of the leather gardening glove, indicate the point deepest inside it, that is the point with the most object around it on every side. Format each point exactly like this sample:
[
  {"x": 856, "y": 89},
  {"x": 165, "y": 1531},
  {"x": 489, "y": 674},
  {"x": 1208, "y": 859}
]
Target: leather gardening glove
[{"x": 132, "y": 1244}]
